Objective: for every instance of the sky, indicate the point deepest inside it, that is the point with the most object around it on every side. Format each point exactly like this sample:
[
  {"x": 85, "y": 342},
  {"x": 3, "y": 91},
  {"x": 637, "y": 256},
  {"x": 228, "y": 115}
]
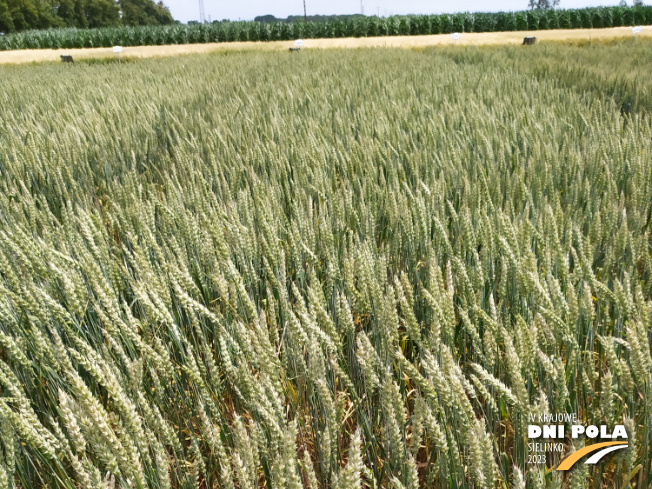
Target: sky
[{"x": 185, "y": 10}]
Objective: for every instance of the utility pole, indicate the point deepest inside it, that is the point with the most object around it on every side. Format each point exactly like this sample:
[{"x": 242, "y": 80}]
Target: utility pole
[
  {"x": 361, "y": 7},
  {"x": 305, "y": 15},
  {"x": 202, "y": 16}
]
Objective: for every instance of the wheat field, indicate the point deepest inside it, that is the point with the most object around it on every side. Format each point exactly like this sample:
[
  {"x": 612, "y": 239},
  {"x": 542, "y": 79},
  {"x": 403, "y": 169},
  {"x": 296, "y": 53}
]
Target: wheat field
[{"x": 339, "y": 269}]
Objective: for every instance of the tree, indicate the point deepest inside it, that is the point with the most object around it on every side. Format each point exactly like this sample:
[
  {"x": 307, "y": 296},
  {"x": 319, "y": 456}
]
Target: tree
[
  {"x": 102, "y": 13},
  {"x": 72, "y": 12},
  {"x": 266, "y": 18},
  {"x": 6, "y": 21},
  {"x": 162, "y": 14},
  {"x": 144, "y": 12},
  {"x": 19, "y": 15},
  {"x": 543, "y": 4}
]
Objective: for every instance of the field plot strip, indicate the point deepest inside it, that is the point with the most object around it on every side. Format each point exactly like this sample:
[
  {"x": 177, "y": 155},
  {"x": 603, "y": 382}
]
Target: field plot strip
[{"x": 466, "y": 39}]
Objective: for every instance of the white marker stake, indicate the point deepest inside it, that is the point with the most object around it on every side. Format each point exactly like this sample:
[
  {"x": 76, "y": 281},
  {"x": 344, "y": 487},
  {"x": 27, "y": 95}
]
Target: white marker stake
[
  {"x": 456, "y": 36},
  {"x": 636, "y": 30},
  {"x": 118, "y": 50},
  {"x": 298, "y": 43}
]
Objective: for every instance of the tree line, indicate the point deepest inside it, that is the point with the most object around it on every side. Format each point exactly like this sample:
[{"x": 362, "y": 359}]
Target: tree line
[
  {"x": 309, "y": 18},
  {"x": 20, "y": 15}
]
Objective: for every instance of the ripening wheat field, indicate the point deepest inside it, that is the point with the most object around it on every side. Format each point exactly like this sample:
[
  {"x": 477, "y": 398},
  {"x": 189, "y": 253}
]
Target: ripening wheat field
[{"x": 336, "y": 269}]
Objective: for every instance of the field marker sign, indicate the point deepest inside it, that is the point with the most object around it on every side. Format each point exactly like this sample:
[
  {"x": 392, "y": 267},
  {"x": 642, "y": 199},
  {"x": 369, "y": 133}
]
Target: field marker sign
[{"x": 118, "y": 50}]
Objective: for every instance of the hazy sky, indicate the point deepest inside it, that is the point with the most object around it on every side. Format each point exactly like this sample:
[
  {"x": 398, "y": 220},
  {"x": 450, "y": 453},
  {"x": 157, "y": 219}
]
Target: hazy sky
[{"x": 185, "y": 10}]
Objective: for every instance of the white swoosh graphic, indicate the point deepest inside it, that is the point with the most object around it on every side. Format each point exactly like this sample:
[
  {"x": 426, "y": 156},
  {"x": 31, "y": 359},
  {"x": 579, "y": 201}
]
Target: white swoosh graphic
[{"x": 594, "y": 459}]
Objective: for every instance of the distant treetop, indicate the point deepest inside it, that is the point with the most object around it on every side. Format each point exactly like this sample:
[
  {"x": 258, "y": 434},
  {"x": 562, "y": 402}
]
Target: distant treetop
[
  {"x": 309, "y": 18},
  {"x": 543, "y": 4}
]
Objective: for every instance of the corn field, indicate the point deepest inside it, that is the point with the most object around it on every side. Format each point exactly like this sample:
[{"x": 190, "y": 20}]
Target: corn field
[
  {"x": 247, "y": 270},
  {"x": 226, "y": 31}
]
